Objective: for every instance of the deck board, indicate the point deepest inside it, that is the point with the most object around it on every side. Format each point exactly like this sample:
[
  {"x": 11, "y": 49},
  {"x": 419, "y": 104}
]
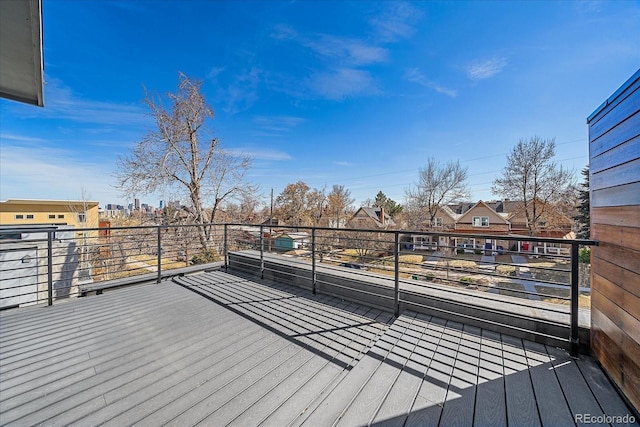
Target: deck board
[
  {"x": 219, "y": 349},
  {"x": 490, "y": 405},
  {"x": 367, "y": 402},
  {"x": 552, "y": 405},
  {"x": 520, "y": 398}
]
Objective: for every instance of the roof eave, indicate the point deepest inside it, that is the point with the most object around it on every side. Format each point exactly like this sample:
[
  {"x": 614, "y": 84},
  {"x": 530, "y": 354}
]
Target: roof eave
[{"x": 21, "y": 53}]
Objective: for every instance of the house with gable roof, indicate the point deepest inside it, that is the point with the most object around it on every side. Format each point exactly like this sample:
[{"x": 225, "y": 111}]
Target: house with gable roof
[
  {"x": 372, "y": 218},
  {"x": 445, "y": 221},
  {"x": 499, "y": 218},
  {"x": 551, "y": 224},
  {"x": 482, "y": 218}
]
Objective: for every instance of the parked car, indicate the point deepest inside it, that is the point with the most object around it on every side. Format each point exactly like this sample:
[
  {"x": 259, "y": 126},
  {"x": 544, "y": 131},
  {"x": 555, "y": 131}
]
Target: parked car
[
  {"x": 467, "y": 248},
  {"x": 352, "y": 265}
]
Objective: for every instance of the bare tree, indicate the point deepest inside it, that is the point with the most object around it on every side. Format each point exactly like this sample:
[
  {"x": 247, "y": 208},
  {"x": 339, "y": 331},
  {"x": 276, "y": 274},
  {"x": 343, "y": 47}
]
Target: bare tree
[
  {"x": 339, "y": 204},
  {"x": 316, "y": 200},
  {"x": 180, "y": 155},
  {"x": 81, "y": 210},
  {"x": 292, "y": 205},
  {"x": 533, "y": 178},
  {"x": 438, "y": 185},
  {"x": 367, "y": 243},
  {"x": 249, "y": 209}
]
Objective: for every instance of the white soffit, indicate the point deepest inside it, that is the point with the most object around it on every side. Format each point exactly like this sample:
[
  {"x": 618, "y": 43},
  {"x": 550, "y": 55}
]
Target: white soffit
[{"x": 21, "y": 64}]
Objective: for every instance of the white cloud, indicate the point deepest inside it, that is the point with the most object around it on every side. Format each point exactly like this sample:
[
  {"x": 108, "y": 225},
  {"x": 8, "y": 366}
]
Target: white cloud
[
  {"x": 37, "y": 172},
  {"x": 62, "y": 104},
  {"x": 260, "y": 153},
  {"x": 480, "y": 70},
  {"x": 332, "y": 81},
  {"x": 214, "y": 72},
  {"x": 343, "y": 164},
  {"x": 283, "y": 32},
  {"x": 342, "y": 83},
  {"x": 19, "y": 138},
  {"x": 397, "y": 21},
  {"x": 277, "y": 124},
  {"x": 347, "y": 50},
  {"x": 242, "y": 93},
  {"x": 416, "y": 76}
]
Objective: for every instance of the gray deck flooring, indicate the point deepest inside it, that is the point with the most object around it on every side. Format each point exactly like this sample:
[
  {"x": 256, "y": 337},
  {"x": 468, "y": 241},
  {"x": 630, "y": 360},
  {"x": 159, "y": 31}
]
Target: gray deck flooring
[{"x": 219, "y": 349}]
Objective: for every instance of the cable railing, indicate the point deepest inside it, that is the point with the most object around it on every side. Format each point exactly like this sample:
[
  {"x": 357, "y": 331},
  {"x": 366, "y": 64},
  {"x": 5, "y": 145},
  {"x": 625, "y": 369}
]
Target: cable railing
[
  {"x": 441, "y": 271},
  {"x": 43, "y": 265},
  {"x": 388, "y": 268}
]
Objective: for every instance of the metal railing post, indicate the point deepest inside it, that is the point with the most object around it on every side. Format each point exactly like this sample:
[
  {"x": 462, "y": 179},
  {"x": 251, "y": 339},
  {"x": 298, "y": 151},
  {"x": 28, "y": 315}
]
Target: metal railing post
[
  {"x": 396, "y": 294},
  {"x": 313, "y": 260},
  {"x": 50, "y": 267},
  {"x": 225, "y": 249},
  {"x": 262, "y": 251},
  {"x": 159, "y": 254},
  {"x": 574, "y": 299}
]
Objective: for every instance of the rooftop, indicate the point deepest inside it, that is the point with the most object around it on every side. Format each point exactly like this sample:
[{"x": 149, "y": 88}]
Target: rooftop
[{"x": 218, "y": 348}]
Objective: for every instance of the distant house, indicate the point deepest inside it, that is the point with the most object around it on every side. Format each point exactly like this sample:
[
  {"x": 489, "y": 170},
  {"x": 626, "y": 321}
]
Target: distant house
[
  {"x": 292, "y": 241},
  {"x": 551, "y": 224},
  {"x": 445, "y": 221},
  {"x": 498, "y": 218},
  {"x": 371, "y": 218},
  {"x": 35, "y": 213},
  {"x": 482, "y": 218}
]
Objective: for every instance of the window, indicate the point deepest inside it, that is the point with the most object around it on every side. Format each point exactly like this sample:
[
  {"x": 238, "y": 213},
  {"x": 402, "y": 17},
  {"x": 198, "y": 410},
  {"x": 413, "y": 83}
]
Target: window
[
  {"x": 29, "y": 216},
  {"x": 52, "y": 216},
  {"x": 437, "y": 222},
  {"x": 19, "y": 216},
  {"x": 82, "y": 217},
  {"x": 61, "y": 216},
  {"x": 480, "y": 221}
]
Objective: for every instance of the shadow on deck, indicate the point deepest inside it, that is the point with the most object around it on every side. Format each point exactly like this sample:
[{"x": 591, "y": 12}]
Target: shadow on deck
[{"x": 220, "y": 349}]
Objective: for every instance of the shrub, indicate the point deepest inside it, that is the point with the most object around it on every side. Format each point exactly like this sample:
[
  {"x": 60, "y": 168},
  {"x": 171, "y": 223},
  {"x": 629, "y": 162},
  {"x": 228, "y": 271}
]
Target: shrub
[
  {"x": 205, "y": 257},
  {"x": 459, "y": 251},
  {"x": 478, "y": 251},
  {"x": 466, "y": 280},
  {"x": 584, "y": 255}
]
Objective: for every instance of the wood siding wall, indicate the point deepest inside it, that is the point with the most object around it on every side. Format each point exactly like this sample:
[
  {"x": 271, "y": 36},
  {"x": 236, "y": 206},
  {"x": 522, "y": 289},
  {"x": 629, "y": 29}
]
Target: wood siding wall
[{"x": 614, "y": 154}]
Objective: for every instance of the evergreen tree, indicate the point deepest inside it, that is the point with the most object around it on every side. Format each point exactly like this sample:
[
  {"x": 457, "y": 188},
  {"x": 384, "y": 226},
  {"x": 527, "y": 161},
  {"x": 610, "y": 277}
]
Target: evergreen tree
[
  {"x": 583, "y": 218},
  {"x": 390, "y": 206}
]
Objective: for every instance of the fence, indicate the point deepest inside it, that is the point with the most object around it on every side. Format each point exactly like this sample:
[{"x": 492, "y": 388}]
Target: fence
[{"x": 51, "y": 264}]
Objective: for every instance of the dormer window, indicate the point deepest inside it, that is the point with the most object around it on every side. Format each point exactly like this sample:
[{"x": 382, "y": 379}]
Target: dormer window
[{"x": 480, "y": 221}]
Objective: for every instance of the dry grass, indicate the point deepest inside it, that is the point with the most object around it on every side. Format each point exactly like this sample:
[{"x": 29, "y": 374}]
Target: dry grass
[
  {"x": 406, "y": 261},
  {"x": 152, "y": 260},
  {"x": 505, "y": 269},
  {"x": 459, "y": 263},
  {"x": 548, "y": 263},
  {"x": 584, "y": 301}
]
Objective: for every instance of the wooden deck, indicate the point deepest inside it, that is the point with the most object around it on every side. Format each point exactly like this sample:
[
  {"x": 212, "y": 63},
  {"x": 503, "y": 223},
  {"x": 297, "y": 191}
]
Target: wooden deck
[{"x": 219, "y": 349}]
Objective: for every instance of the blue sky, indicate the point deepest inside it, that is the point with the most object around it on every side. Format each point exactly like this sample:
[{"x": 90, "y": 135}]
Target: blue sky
[{"x": 357, "y": 94}]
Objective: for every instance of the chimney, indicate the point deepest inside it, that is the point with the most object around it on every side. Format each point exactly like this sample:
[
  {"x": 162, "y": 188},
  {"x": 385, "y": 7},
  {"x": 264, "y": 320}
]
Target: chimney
[{"x": 382, "y": 215}]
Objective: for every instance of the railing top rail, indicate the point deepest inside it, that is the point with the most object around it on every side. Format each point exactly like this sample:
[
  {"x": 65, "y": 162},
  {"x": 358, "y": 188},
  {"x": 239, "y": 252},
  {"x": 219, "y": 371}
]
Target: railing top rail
[
  {"x": 12, "y": 230},
  {"x": 510, "y": 237},
  {"x": 507, "y": 237}
]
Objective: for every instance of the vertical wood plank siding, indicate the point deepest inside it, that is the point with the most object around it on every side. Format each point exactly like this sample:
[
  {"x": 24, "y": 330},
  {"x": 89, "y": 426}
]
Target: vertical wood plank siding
[{"x": 614, "y": 161}]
